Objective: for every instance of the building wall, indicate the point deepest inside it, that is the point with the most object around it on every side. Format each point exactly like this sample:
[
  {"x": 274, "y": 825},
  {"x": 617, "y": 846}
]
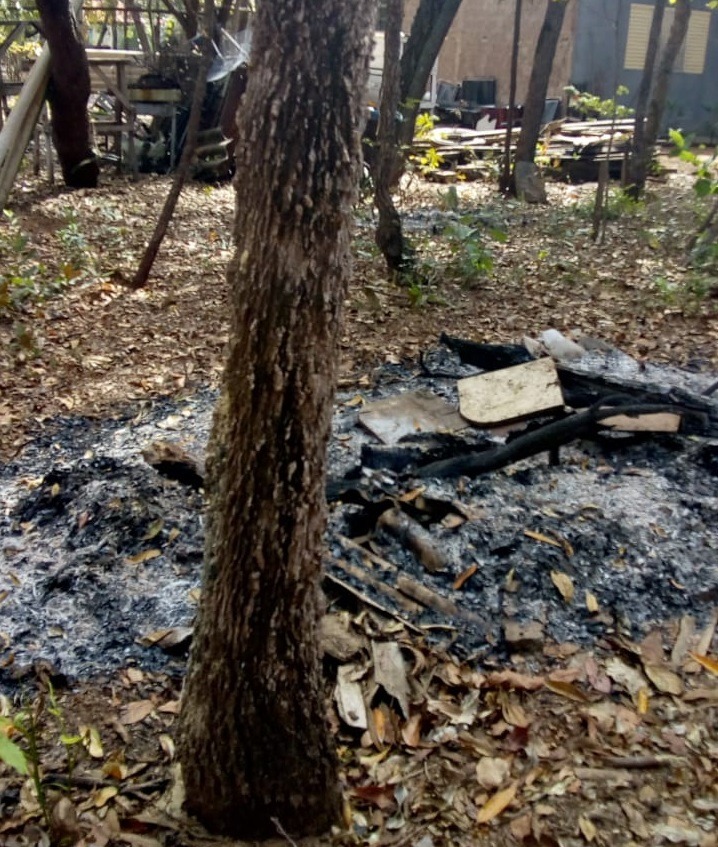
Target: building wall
[
  {"x": 600, "y": 58},
  {"x": 479, "y": 44}
]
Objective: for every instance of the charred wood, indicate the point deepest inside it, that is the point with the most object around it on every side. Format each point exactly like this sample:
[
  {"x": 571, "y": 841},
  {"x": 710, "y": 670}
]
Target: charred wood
[
  {"x": 547, "y": 438},
  {"x": 488, "y": 357}
]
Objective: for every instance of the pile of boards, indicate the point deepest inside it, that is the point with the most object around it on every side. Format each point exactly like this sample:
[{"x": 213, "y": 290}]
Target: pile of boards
[{"x": 569, "y": 148}]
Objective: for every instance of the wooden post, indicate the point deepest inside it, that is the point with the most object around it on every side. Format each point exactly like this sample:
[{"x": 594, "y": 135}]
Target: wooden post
[{"x": 18, "y": 129}]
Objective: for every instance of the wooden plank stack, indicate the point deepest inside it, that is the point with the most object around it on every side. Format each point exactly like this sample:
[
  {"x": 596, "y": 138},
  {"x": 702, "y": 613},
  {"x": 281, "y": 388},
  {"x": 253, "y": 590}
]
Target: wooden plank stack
[{"x": 571, "y": 148}]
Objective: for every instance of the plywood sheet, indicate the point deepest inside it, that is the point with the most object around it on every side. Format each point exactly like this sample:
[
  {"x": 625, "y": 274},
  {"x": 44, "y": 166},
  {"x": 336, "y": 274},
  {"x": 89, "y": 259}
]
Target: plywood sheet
[
  {"x": 409, "y": 413},
  {"x": 659, "y": 422},
  {"x": 511, "y": 393}
]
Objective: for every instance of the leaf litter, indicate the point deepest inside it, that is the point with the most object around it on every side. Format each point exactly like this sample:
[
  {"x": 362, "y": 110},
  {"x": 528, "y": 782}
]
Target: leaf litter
[{"x": 566, "y": 744}]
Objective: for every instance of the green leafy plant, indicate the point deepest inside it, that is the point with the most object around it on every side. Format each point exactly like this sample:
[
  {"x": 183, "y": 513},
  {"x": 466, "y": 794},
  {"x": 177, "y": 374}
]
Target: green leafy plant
[
  {"x": 470, "y": 255},
  {"x": 706, "y": 166},
  {"x": 687, "y": 295},
  {"x": 703, "y": 245},
  {"x": 593, "y": 106},
  {"x": 24, "y": 725},
  {"x": 618, "y": 205},
  {"x": 74, "y": 242}
]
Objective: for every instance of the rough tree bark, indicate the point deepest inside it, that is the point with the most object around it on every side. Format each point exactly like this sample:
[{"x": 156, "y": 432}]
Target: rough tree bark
[
  {"x": 389, "y": 236},
  {"x": 657, "y": 104},
  {"x": 428, "y": 30},
  {"x": 637, "y": 160},
  {"x": 505, "y": 175},
  {"x": 538, "y": 83},
  {"x": 253, "y": 743},
  {"x": 68, "y": 93}
]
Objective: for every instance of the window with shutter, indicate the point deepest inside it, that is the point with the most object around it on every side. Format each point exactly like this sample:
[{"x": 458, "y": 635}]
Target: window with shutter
[{"x": 692, "y": 57}]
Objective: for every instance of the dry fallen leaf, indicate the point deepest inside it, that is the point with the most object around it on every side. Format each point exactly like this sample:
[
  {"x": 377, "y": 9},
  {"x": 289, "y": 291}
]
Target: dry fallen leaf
[
  {"x": 642, "y": 701},
  {"x": 102, "y": 796},
  {"x": 492, "y": 772},
  {"x": 592, "y": 603},
  {"x": 564, "y": 583},
  {"x": 91, "y": 741},
  {"x": 630, "y": 678},
  {"x": 463, "y": 577},
  {"x": 390, "y": 672},
  {"x": 513, "y": 713},
  {"x": 537, "y": 536},
  {"x": 588, "y": 830},
  {"x": 513, "y": 679},
  {"x": 136, "y": 712},
  {"x": 411, "y": 731},
  {"x": 566, "y": 689},
  {"x": 144, "y": 556},
  {"x": 497, "y": 803},
  {"x": 168, "y": 746},
  {"x": 710, "y": 664},
  {"x": 664, "y": 679}
]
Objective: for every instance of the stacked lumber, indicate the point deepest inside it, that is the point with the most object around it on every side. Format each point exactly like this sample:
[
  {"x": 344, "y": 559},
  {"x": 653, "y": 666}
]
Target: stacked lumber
[{"x": 573, "y": 148}]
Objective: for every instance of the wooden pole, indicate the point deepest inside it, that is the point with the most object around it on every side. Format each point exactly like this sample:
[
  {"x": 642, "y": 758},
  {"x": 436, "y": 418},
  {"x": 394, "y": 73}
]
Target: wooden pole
[
  {"x": 21, "y": 121},
  {"x": 18, "y": 129}
]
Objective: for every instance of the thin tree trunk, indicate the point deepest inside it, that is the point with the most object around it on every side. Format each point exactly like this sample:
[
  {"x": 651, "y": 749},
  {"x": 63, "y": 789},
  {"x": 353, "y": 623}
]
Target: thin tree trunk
[
  {"x": 600, "y": 207},
  {"x": 389, "y": 237},
  {"x": 657, "y": 104},
  {"x": 505, "y": 178},
  {"x": 185, "y": 163},
  {"x": 68, "y": 93},
  {"x": 538, "y": 84},
  {"x": 638, "y": 160},
  {"x": 254, "y": 746},
  {"x": 431, "y": 23}
]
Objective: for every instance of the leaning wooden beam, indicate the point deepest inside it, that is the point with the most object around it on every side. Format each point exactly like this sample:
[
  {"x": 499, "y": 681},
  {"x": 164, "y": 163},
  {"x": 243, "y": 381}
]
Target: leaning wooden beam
[{"x": 18, "y": 129}]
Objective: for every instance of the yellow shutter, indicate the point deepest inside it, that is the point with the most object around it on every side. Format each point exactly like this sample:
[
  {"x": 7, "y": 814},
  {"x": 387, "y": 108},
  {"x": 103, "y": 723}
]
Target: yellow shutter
[
  {"x": 694, "y": 56},
  {"x": 639, "y": 26}
]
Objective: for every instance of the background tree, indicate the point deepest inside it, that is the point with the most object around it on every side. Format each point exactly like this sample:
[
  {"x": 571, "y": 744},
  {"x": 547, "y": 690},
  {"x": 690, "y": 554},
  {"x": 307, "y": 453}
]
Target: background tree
[
  {"x": 637, "y": 161},
  {"x": 657, "y": 104},
  {"x": 505, "y": 175},
  {"x": 253, "y": 742},
  {"x": 538, "y": 83},
  {"x": 68, "y": 93},
  {"x": 188, "y": 13},
  {"x": 428, "y": 31},
  {"x": 188, "y": 152},
  {"x": 389, "y": 236}
]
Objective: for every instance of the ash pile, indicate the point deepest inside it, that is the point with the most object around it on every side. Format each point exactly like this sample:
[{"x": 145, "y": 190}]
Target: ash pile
[{"x": 490, "y": 498}]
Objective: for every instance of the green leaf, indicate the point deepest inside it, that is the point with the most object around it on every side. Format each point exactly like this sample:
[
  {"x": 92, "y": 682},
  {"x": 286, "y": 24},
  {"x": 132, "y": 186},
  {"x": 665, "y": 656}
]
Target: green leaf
[
  {"x": 703, "y": 187},
  {"x": 12, "y": 755},
  {"x": 676, "y": 137},
  {"x": 499, "y": 235}
]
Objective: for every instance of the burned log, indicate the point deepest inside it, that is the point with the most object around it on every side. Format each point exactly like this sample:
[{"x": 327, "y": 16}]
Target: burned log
[
  {"x": 488, "y": 357},
  {"x": 699, "y": 411},
  {"x": 547, "y": 438}
]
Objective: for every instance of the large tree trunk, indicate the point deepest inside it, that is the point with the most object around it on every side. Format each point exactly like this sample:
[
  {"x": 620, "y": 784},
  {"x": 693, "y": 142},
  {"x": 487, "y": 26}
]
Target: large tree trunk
[
  {"x": 389, "y": 236},
  {"x": 428, "y": 30},
  {"x": 657, "y": 103},
  {"x": 538, "y": 83},
  {"x": 253, "y": 742},
  {"x": 68, "y": 93},
  {"x": 638, "y": 160}
]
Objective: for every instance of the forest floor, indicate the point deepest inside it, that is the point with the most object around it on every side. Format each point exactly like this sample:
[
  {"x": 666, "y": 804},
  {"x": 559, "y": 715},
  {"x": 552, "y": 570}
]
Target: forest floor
[{"x": 564, "y": 744}]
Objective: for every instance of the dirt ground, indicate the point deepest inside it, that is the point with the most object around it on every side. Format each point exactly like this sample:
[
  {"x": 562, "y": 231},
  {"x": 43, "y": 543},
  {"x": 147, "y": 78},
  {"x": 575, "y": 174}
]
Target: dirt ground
[{"x": 561, "y": 744}]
